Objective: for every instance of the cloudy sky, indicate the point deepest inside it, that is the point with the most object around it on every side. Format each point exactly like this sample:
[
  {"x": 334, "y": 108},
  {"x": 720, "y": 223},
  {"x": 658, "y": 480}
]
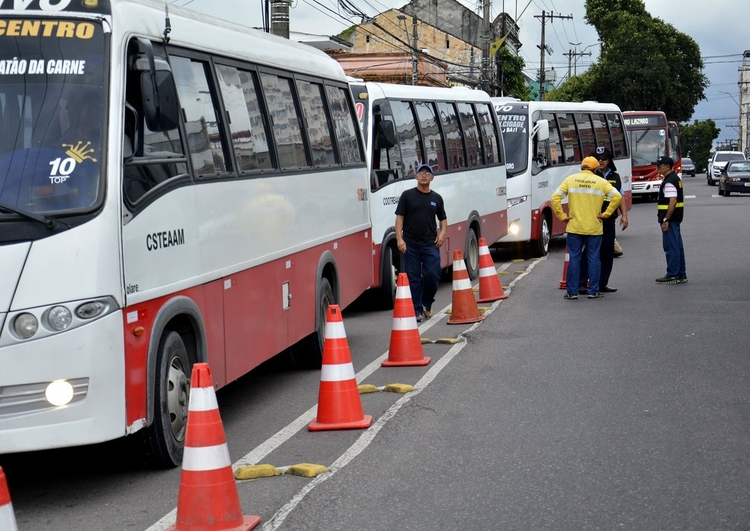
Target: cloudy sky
[{"x": 718, "y": 26}]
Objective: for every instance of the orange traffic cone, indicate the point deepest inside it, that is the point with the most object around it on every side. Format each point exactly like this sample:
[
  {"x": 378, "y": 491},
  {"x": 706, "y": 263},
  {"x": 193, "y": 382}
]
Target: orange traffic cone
[
  {"x": 406, "y": 346},
  {"x": 208, "y": 498},
  {"x": 564, "y": 281},
  {"x": 490, "y": 288},
  {"x": 464, "y": 308},
  {"x": 339, "y": 406},
  {"x": 7, "y": 517}
]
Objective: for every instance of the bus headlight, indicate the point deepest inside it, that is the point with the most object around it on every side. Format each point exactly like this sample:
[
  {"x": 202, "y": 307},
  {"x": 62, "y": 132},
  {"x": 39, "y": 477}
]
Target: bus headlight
[
  {"x": 25, "y": 325},
  {"x": 90, "y": 310},
  {"x": 513, "y": 201},
  {"x": 59, "y": 393},
  {"x": 59, "y": 318}
]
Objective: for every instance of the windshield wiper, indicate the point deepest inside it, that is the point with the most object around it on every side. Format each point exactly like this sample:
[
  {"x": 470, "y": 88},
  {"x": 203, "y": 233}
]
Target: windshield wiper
[{"x": 50, "y": 223}]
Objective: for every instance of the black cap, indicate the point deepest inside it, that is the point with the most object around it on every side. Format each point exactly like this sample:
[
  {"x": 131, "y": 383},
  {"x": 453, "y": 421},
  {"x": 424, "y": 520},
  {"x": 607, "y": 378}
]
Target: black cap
[
  {"x": 664, "y": 160},
  {"x": 603, "y": 153}
]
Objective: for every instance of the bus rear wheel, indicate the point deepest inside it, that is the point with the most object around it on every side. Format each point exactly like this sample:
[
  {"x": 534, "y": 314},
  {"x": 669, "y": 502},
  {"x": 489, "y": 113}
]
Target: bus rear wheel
[
  {"x": 308, "y": 353},
  {"x": 388, "y": 278},
  {"x": 164, "y": 439},
  {"x": 472, "y": 255}
]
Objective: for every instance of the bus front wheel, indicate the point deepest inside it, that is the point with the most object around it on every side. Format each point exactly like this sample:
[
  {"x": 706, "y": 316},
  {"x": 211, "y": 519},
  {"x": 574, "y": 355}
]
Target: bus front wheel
[
  {"x": 540, "y": 246},
  {"x": 164, "y": 439}
]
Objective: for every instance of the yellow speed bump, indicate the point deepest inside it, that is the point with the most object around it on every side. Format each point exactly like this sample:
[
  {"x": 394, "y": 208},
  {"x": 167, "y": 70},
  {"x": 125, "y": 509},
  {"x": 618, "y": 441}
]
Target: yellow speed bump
[
  {"x": 256, "y": 471},
  {"x": 447, "y": 340},
  {"x": 398, "y": 388},
  {"x": 518, "y": 260},
  {"x": 367, "y": 388},
  {"x": 424, "y": 340},
  {"x": 306, "y": 470}
]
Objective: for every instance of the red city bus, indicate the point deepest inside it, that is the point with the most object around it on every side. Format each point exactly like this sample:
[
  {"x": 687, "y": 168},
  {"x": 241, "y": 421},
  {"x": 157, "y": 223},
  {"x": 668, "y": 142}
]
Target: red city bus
[{"x": 651, "y": 136}]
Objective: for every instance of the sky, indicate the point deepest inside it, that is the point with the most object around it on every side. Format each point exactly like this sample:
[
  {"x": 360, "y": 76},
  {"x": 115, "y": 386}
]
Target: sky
[{"x": 718, "y": 26}]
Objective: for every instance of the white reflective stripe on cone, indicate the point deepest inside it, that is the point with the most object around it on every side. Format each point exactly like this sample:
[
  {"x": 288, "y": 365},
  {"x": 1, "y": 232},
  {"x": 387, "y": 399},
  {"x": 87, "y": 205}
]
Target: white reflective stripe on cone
[
  {"x": 483, "y": 250},
  {"x": 335, "y": 330},
  {"x": 404, "y": 323},
  {"x": 487, "y": 271},
  {"x": 461, "y": 284},
  {"x": 403, "y": 292},
  {"x": 339, "y": 372},
  {"x": 459, "y": 265},
  {"x": 202, "y": 399},
  {"x": 200, "y": 458}
]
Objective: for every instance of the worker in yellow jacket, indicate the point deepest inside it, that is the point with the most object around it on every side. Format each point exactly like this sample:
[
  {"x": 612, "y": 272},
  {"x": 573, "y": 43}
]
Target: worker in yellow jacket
[{"x": 585, "y": 192}]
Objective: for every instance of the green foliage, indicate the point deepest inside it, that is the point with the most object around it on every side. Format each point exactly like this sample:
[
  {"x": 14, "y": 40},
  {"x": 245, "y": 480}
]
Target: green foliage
[
  {"x": 644, "y": 64},
  {"x": 697, "y": 140},
  {"x": 510, "y": 74}
]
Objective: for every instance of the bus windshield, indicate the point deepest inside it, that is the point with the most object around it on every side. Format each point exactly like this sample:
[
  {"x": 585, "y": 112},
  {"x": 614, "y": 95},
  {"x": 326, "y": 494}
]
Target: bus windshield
[
  {"x": 514, "y": 125},
  {"x": 647, "y": 145},
  {"x": 51, "y": 115}
]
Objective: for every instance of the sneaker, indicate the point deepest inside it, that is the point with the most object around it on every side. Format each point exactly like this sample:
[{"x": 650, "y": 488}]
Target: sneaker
[
  {"x": 668, "y": 280},
  {"x": 682, "y": 280},
  {"x": 607, "y": 289},
  {"x": 618, "y": 255},
  {"x": 597, "y": 295},
  {"x": 427, "y": 312},
  {"x": 570, "y": 297},
  {"x": 420, "y": 317}
]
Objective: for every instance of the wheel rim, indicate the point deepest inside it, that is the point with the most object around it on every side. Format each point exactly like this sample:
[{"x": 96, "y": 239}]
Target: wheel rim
[
  {"x": 473, "y": 254},
  {"x": 178, "y": 393},
  {"x": 545, "y": 234}
]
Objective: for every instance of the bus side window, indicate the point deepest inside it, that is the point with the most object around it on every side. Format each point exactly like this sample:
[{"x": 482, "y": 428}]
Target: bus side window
[
  {"x": 554, "y": 146},
  {"x": 386, "y": 155}
]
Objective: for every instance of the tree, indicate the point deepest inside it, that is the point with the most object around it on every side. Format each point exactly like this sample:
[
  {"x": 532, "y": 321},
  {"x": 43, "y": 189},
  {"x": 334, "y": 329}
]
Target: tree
[
  {"x": 510, "y": 76},
  {"x": 644, "y": 64},
  {"x": 697, "y": 140}
]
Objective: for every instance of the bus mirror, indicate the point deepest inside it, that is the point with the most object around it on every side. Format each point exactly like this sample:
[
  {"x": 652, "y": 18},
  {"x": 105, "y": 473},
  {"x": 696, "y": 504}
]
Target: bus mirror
[
  {"x": 160, "y": 107},
  {"x": 386, "y": 134},
  {"x": 541, "y": 130}
]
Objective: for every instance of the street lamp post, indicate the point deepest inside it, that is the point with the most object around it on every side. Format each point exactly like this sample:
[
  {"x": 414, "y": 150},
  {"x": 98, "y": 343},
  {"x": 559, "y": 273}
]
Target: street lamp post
[{"x": 742, "y": 141}]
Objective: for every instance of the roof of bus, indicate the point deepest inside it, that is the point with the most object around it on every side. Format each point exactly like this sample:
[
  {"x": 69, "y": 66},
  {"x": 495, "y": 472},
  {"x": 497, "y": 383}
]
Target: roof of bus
[
  {"x": 419, "y": 91},
  {"x": 572, "y": 106},
  {"x": 200, "y": 31}
]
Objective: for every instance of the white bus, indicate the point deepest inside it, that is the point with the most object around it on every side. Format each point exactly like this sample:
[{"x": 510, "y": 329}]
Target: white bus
[
  {"x": 544, "y": 143},
  {"x": 455, "y": 130},
  {"x": 173, "y": 189}
]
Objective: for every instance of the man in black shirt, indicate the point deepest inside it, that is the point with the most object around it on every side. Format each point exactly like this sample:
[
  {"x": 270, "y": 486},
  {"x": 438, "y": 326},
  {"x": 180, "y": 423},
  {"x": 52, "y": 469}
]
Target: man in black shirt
[{"x": 419, "y": 239}]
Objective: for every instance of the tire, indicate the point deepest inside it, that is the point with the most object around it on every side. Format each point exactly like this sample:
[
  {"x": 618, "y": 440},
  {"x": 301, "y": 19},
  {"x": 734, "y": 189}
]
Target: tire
[
  {"x": 472, "y": 255},
  {"x": 388, "y": 278},
  {"x": 540, "y": 246},
  {"x": 308, "y": 354},
  {"x": 164, "y": 439}
]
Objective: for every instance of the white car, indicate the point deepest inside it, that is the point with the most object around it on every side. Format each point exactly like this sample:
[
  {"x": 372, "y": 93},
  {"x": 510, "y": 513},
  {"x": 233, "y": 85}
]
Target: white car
[{"x": 717, "y": 162}]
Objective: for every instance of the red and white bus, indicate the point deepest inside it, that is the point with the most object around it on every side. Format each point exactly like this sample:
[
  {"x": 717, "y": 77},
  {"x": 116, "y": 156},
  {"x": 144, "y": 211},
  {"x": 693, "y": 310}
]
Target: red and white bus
[
  {"x": 651, "y": 136},
  {"x": 173, "y": 189},
  {"x": 545, "y": 142},
  {"x": 455, "y": 131}
]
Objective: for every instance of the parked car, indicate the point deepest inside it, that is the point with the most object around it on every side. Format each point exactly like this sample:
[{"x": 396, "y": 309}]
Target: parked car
[
  {"x": 717, "y": 162},
  {"x": 688, "y": 167},
  {"x": 735, "y": 177}
]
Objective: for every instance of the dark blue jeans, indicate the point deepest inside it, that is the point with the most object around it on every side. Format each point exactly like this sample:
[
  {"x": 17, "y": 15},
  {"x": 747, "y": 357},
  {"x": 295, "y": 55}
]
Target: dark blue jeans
[
  {"x": 672, "y": 243},
  {"x": 422, "y": 266},
  {"x": 576, "y": 243},
  {"x": 606, "y": 257}
]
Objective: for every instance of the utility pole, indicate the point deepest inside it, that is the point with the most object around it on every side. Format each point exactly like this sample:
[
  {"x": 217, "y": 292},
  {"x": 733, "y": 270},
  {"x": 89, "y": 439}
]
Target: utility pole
[
  {"x": 544, "y": 48},
  {"x": 414, "y": 52},
  {"x": 486, "y": 40},
  {"x": 573, "y": 56}
]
